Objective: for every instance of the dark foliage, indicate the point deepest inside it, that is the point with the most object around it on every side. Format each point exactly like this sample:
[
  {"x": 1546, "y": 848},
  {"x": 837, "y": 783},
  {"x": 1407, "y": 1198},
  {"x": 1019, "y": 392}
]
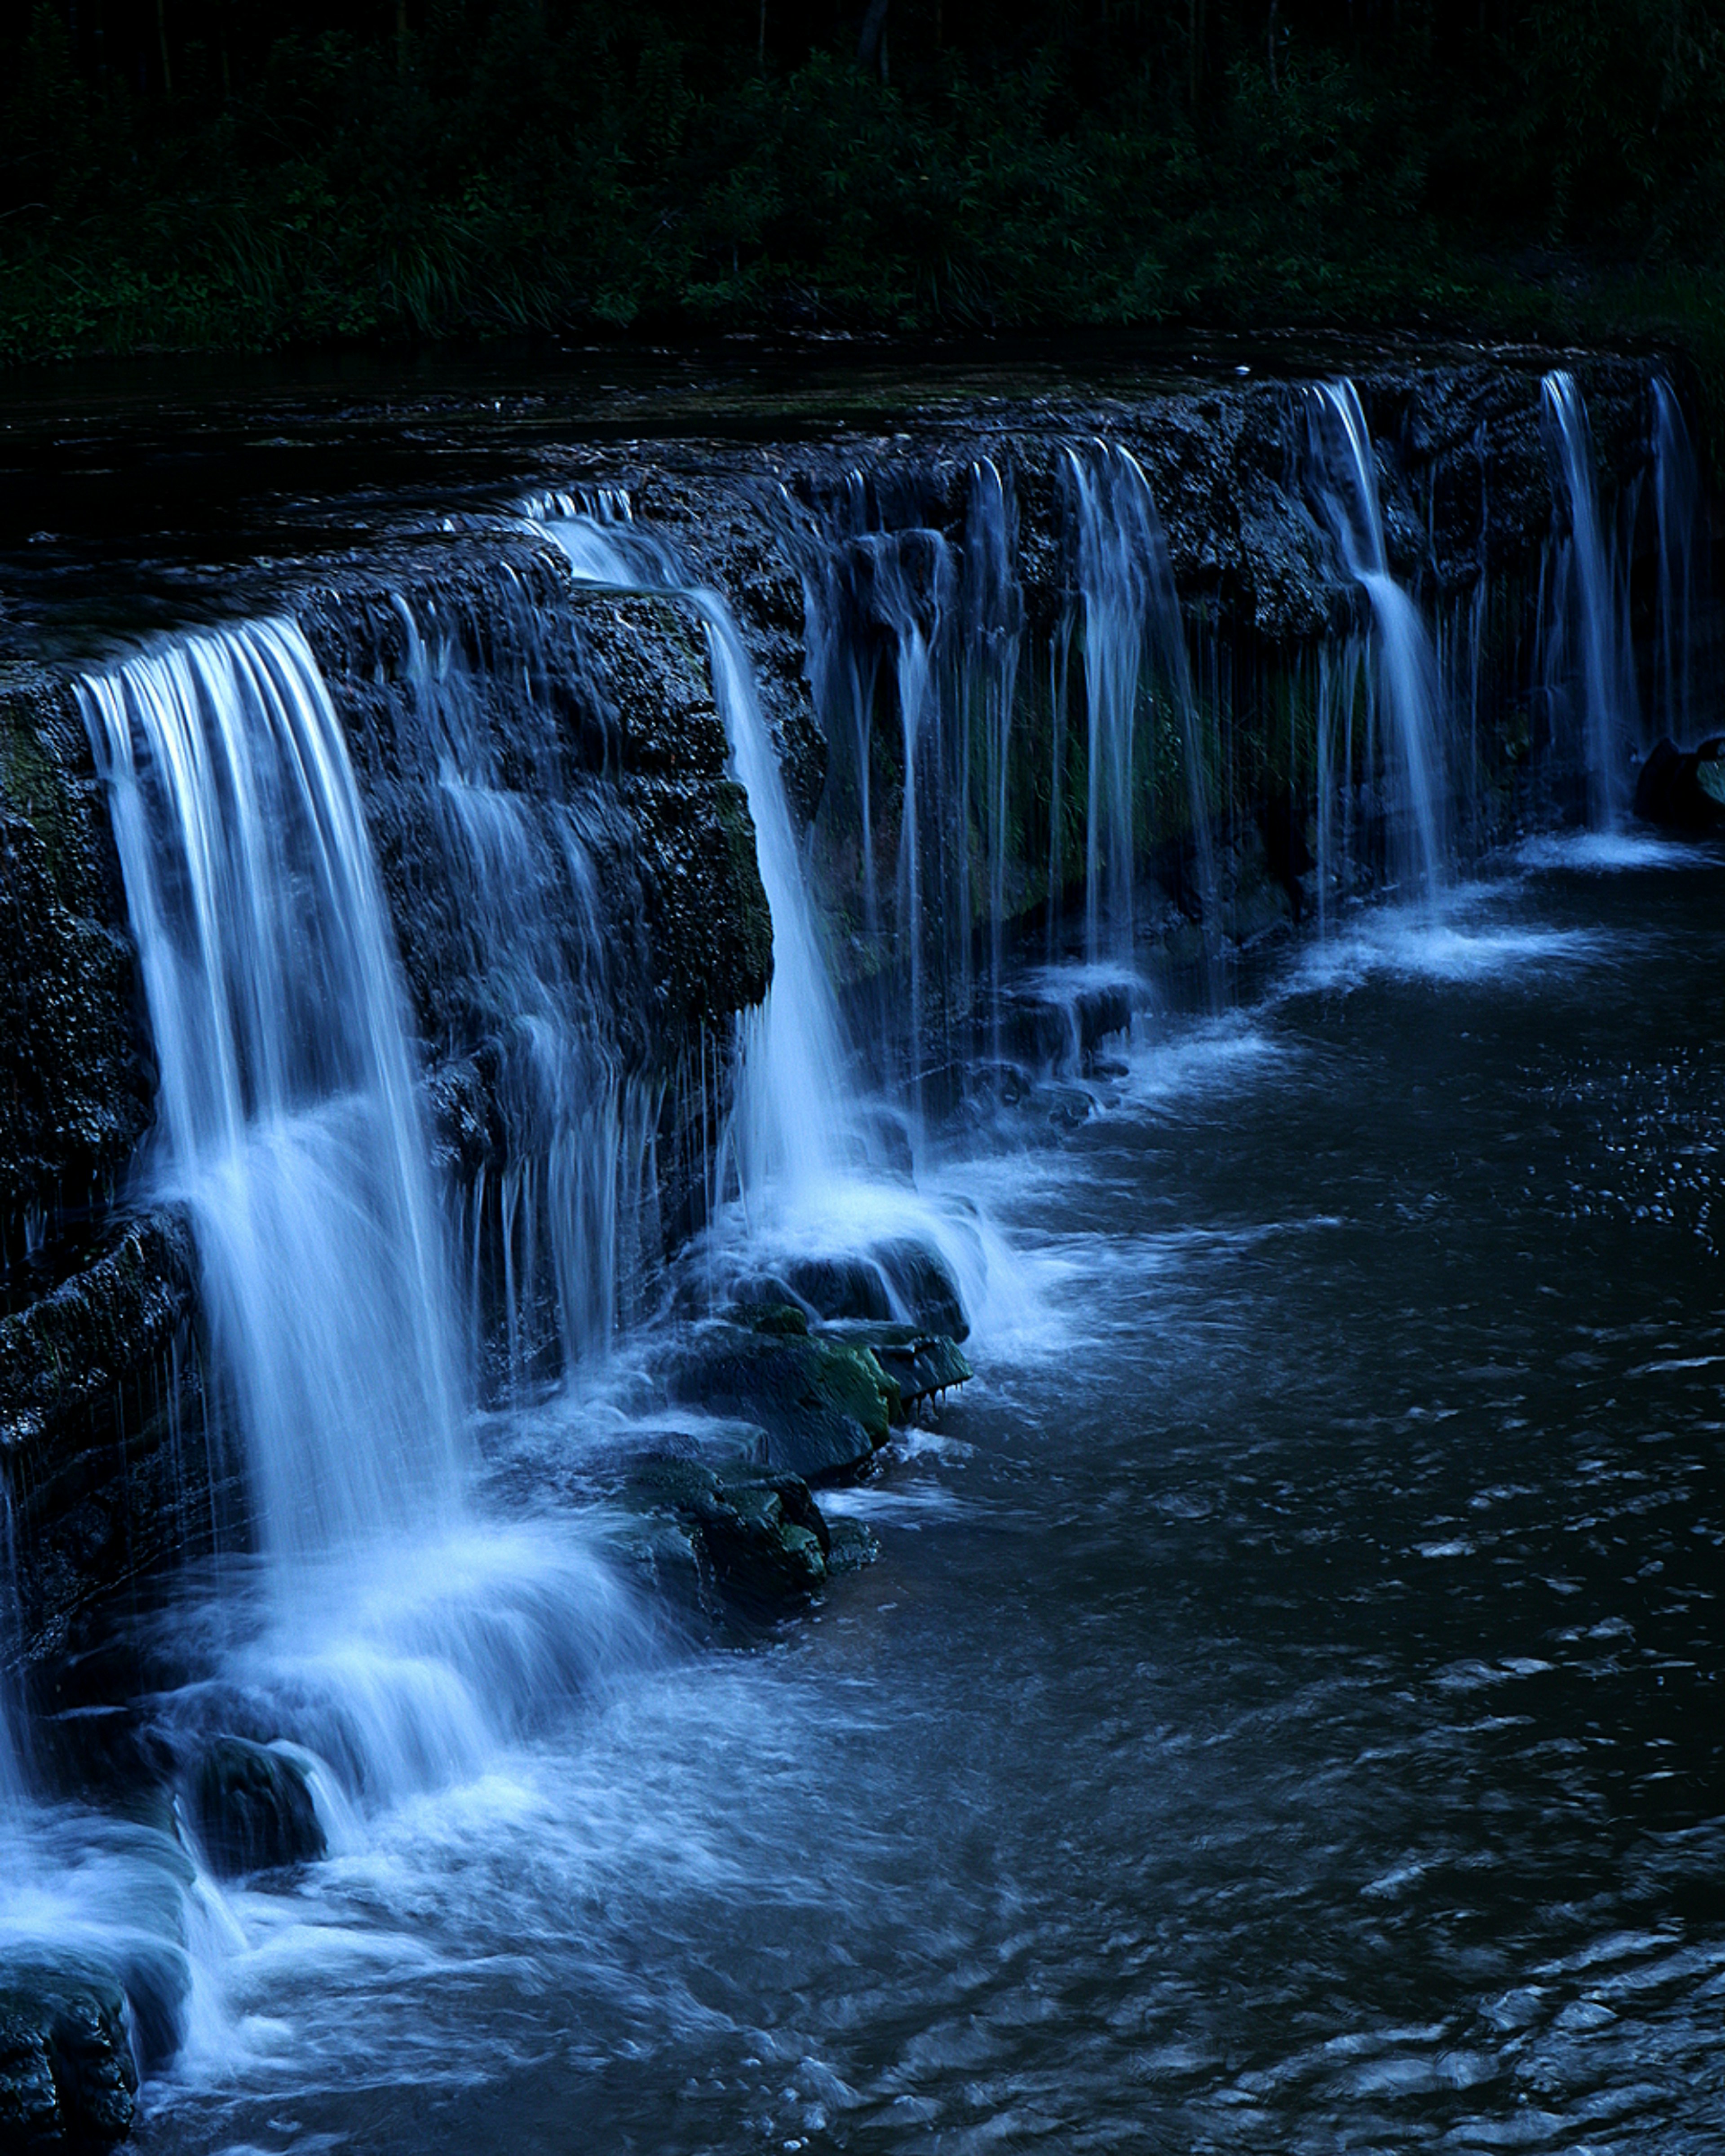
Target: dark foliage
[{"x": 195, "y": 172}]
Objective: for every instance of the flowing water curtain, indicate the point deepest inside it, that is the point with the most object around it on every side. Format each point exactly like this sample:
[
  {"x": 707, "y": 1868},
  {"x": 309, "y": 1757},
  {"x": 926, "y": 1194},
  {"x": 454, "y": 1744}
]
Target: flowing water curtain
[
  {"x": 1405, "y": 708},
  {"x": 1681, "y": 533},
  {"x": 1133, "y": 641},
  {"x": 887, "y": 649},
  {"x": 553, "y": 1230},
  {"x": 1589, "y": 671},
  {"x": 795, "y": 1127},
  {"x": 290, "y": 1121},
  {"x": 994, "y": 616},
  {"x": 12, "y": 1722}
]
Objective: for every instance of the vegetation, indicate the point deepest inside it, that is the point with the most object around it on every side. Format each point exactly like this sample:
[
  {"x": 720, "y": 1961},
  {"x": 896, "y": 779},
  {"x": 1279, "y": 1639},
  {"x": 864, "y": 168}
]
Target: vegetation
[{"x": 180, "y": 173}]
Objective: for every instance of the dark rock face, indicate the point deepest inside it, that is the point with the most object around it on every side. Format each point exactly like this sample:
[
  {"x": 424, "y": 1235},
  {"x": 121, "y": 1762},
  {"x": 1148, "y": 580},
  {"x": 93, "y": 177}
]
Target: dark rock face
[
  {"x": 252, "y": 1808},
  {"x": 102, "y": 1430},
  {"x": 75, "y": 1077},
  {"x": 1680, "y": 790},
  {"x": 841, "y": 1287},
  {"x": 67, "y": 2078}
]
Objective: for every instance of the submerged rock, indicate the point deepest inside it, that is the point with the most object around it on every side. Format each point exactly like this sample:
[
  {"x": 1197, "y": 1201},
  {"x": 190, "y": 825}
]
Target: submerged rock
[
  {"x": 67, "y": 2076},
  {"x": 854, "y": 1545},
  {"x": 824, "y": 1406},
  {"x": 254, "y": 1808},
  {"x": 761, "y": 1533}
]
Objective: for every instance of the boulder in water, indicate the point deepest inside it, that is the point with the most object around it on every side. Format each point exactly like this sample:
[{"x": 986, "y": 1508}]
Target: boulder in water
[
  {"x": 761, "y": 1532},
  {"x": 922, "y": 1365},
  {"x": 254, "y": 1808},
  {"x": 841, "y": 1287},
  {"x": 67, "y": 2078},
  {"x": 924, "y": 1283},
  {"x": 824, "y": 1406},
  {"x": 1682, "y": 790}
]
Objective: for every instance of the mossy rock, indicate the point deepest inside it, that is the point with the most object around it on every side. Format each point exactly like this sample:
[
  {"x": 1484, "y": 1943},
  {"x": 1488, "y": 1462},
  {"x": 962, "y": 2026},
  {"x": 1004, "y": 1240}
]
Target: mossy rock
[
  {"x": 823, "y": 1405},
  {"x": 761, "y": 1532},
  {"x": 922, "y": 1365},
  {"x": 67, "y": 2078}
]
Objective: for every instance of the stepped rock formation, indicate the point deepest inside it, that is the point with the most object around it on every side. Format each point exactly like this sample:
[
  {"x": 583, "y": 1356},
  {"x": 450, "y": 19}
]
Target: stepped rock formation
[{"x": 592, "y": 713}]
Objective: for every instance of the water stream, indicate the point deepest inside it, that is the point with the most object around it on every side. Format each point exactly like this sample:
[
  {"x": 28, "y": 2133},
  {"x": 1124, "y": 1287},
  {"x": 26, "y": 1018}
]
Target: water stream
[
  {"x": 1589, "y": 672},
  {"x": 1404, "y": 672}
]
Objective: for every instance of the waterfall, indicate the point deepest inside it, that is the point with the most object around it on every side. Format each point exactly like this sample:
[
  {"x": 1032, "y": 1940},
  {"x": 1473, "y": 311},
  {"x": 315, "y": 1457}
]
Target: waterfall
[
  {"x": 1584, "y": 634},
  {"x": 993, "y": 615},
  {"x": 1130, "y": 618},
  {"x": 1405, "y": 673},
  {"x": 1681, "y": 537},
  {"x": 883, "y": 604},
  {"x": 289, "y": 1123},
  {"x": 550, "y": 1234},
  {"x": 12, "y": 1774},
  {"x": 795, "y": 1128}
]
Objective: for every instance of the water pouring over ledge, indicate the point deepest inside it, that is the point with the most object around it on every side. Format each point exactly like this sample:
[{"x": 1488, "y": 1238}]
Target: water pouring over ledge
[
  {"x": 390, "y": 1625},
  {"x": 802, "y": 1155},
  {"x": 1586, "y": 636},
  {"x": 1345, "y": 477},
  {"x": 289, "y": 1124}
]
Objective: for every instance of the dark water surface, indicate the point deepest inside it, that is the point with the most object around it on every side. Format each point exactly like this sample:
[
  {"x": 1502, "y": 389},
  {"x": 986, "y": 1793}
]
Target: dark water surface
[{"x": 1285, "y": 1715}]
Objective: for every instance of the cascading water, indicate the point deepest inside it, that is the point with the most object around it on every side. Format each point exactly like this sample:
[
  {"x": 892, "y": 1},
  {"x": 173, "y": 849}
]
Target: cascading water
[
  {"x": 550, "y": 1233},
  {"x": 11, "y": 1779},
  {"x": 993, "y": 615},
  {"x": 1405, "y": 675},
  {"x": 796, "y": 1127},
  {"x": 884, "y": 599},
  {"x": 1131, "y": 616},
  {"x": 401, "y": 1637},
  {"x": 801, "y": 1154},
  {"x": 289, "y": 1120},
  {"x": 1586, "y": 636},
  {"x": 1681, "y": 533}
]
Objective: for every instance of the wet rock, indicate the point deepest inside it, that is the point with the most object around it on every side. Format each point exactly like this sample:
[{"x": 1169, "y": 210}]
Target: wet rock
[
  {"x": 1682, "y": 790},
  {"x": 760, "y": 1532},
  {"x": 254, "y": 1808},
  {"x": 824, "y": 1406},
  {"x": 854, "y": 1545},
  {"x": 925, "y": 1286},
  {"x": 922, "y": 1365},
  {"x": 787, "y": 1320},
  {"x": 836, "y": 1287},
  {"x": 75, "y": 1081},
  {"x": 67, "y": 2078}
]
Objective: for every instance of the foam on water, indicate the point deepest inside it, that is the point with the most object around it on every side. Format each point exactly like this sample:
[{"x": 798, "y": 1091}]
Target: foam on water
[
  {"x": 1462, "y": 943},
  {"x": 1603, "y": 853}
]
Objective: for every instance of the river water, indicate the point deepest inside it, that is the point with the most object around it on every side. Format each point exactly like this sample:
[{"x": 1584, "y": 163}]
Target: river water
[{"x": 1284, "y": 1714}]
